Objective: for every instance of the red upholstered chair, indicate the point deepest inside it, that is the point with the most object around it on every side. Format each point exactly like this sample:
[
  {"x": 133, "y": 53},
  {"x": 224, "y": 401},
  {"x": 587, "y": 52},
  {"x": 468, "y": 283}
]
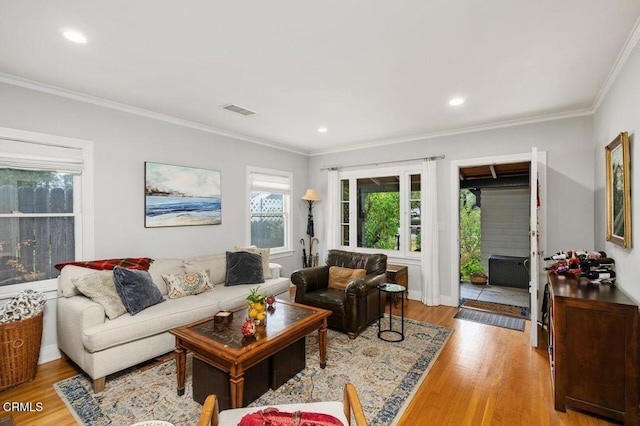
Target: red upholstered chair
[{"x": 343, "y": 411}]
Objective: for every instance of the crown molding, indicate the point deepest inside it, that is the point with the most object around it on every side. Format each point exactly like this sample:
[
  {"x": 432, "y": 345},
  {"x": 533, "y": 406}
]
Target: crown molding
[
  {"x": 461, "y": 131},
  {"x": 625, "y": 52},
  {"x": 70, "y": 94}
]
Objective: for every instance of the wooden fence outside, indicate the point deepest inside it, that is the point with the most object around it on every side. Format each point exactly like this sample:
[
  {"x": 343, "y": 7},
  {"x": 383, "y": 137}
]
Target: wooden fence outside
[{"x": 31, "y": 246}]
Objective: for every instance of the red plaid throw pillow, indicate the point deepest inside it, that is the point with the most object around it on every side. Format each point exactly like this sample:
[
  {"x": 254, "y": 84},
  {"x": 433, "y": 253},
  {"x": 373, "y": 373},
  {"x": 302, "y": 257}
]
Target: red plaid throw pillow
[
  {"x": 272, "y": 417},
  {"x": 140, "y": 263}
]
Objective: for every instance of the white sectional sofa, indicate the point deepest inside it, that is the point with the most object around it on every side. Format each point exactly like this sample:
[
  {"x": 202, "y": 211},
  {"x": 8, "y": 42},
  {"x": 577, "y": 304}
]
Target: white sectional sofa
[{"x": 101, "y": 346}]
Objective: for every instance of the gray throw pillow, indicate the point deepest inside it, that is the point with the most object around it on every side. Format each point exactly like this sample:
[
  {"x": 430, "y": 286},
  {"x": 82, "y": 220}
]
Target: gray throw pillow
[
  {"x": 136, "y": 289},
  {"x": 243, "y": 268},
  {"x": 101, "y": 288}
]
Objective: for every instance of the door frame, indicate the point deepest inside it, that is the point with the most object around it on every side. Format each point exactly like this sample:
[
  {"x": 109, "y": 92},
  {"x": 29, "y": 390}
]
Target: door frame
[{"x": 456, "y": 165}]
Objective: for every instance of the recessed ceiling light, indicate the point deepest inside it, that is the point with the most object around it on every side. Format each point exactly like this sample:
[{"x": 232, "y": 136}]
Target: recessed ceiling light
[
  {"x": 322, "y": 129},
  {"x": 456, "y": 101},
  {"x": 74, "y": 36}
]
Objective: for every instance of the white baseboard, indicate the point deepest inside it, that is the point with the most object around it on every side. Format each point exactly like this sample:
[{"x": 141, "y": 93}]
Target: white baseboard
[
  {"x": 444, "y": 300},
  {"x": 449, "y": 301},
  {"x": 49, "y": 353}
]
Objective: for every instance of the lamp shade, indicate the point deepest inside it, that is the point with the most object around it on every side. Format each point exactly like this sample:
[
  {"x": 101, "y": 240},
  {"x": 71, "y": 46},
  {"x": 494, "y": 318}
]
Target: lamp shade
[{"x": 311, "y": 195}]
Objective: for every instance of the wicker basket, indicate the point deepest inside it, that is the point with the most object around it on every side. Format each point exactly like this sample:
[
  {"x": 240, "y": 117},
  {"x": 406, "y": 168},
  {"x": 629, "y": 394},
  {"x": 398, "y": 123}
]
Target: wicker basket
[
  {"x": 478, "y": 279},
  {"x": 19, "y": 351}
]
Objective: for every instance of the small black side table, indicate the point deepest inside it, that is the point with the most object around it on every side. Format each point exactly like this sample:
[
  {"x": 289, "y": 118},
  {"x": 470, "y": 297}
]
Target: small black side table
[{"x": 391, "y": 290}]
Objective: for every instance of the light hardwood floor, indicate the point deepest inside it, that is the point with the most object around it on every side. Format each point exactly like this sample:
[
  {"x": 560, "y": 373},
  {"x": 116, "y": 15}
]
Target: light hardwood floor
[{"x": 484, "y": 376}]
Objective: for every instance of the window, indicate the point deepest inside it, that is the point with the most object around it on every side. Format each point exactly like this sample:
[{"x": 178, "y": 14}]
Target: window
[
  {"x": 269, "y": 209},
  {"x": 380, "y": 210},
  {"x": 41, "y": 207}
]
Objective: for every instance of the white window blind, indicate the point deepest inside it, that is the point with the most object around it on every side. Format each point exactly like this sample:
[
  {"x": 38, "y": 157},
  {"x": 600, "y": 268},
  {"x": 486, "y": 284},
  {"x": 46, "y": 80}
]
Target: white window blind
[
  {"x": 34, "y": 156},
  {"x": 269, "y": 182}
]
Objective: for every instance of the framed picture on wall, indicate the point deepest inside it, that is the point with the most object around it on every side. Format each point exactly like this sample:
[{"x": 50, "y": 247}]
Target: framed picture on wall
[
  {"x": 181, "y": 196},
  {"x": 618, "y": 191}
]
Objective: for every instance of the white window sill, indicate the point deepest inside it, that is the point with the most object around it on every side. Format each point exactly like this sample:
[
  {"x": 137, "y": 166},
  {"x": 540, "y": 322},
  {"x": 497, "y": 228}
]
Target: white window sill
[
  {"x": 45, "y": 286},
  {"x": 282, "y": 254}
]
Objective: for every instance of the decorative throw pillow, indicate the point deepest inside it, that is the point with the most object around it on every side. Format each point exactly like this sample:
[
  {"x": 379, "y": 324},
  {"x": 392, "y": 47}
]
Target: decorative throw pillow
[
  {"x": 187, "y": 284},
  {"x": 136, "y": 289},
  {"x": 243, "y": 268},
  {"x": 101, "y": 288},
  {"x": 339, "y": 277},
  {"x": 215, "y": 264},
  {"x": 265, "y": 253},
  {"x": 272, "y": 415}
]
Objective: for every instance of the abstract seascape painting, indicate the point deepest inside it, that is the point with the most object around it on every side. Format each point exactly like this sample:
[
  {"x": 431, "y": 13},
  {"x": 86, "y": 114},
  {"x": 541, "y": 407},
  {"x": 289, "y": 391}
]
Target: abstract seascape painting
[{"x": 181, "y": 196}]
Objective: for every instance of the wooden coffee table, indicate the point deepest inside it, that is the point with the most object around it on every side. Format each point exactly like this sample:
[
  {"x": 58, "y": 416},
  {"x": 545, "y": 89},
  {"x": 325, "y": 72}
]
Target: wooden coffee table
[{"x": 231, "y": 352}]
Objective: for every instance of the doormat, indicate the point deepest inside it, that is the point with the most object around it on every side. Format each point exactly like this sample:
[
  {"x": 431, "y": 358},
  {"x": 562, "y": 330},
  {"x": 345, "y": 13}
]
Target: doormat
[
  {"x": 518, "y": 311},
  {"x": 503, "y": 321}
]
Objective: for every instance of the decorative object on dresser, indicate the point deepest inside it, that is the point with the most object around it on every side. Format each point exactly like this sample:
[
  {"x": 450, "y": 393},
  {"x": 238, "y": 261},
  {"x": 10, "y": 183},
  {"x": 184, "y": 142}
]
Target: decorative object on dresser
[
  {"x": 595, "y": 266},
  {"x": 593, "y": 348},
  {"x": 618, "y": 188}
]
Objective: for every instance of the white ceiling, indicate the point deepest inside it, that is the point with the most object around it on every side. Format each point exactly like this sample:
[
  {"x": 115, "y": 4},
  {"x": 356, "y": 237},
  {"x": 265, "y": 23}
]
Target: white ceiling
[{"x": 371, "y": 71}]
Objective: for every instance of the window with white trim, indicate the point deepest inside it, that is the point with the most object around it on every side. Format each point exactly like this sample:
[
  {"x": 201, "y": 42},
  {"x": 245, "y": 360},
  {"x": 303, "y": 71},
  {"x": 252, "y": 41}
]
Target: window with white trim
[
  {"x": 41, "y": 207},
  {"x": 269, "y": 208},
  {"x": 380, "y": 211}
]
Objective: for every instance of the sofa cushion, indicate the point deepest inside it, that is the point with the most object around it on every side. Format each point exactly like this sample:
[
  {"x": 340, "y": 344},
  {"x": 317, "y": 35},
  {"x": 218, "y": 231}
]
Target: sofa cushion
[
  {"x": 187, "y": 284},
  {"x": 339, "y": 278},
  {"x": 66, "y": 287},
  {"x": 136, "y": 289},
  {"x": 243, "y": 268},
  {"x": 216, "y": 264},
  {"x": 264, "y": 253},
  {"x": 156, "y": 319},
  {"x": 101, "y": 288},
  {"x": 161, "y": 267}
]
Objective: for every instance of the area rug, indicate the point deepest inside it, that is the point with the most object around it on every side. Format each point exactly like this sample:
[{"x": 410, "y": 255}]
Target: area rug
[
  {"x": 497, "y": 320},
  {"x": 518, "y": 311},
  {"x": 386, "y": 376}
]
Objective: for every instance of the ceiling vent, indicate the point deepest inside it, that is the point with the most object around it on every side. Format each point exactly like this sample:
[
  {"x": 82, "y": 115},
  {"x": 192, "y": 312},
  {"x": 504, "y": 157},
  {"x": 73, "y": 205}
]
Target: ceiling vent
[{"x": 237, "y": 109}]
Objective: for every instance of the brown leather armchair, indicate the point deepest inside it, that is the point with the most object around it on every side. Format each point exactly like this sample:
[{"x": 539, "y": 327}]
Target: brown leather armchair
[{"x": 355, "y": 307}]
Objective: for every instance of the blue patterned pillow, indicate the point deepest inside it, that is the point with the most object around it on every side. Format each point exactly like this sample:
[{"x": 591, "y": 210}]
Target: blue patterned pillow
[
  {"x": 187, "y": 284},
  {"x": 136, "y": 289}
]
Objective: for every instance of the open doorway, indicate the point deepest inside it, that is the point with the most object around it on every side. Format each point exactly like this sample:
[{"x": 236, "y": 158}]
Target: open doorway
[
  {"x": 537, "y": 230},
  {"x": 494, "y": 238}
]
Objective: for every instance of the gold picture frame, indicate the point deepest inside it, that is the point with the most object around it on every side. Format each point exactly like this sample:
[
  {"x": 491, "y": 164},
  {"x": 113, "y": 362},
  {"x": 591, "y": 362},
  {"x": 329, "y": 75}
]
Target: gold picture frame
[{"x": 618, "y": 191}]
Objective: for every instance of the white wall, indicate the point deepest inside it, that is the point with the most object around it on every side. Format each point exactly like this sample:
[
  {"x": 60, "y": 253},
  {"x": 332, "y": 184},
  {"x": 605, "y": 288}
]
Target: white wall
[
  {"x": 122, "y": 143},
  {"x": 620, "y": 111},
  {"x": 504, "y": 222},
  {"x": 569, "y": 180}
]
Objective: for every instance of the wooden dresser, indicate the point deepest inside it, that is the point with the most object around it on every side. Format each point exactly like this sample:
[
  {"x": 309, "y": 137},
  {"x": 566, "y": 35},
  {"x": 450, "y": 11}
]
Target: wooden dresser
[{"x": 593, "y": 348}]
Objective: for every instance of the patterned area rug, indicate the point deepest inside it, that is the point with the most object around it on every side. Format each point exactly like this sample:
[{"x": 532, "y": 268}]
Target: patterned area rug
[
  {"x": 503, "y": 321},
  {"x": 519, "y": 311},
  {"x": 385, "y": 374}
]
